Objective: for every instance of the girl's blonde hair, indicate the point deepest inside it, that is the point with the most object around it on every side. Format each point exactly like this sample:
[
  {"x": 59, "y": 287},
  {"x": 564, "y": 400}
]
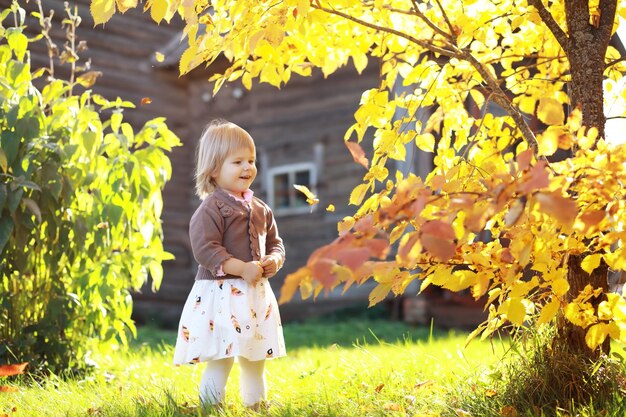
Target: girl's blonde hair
[{"x": 218, "y": 140}]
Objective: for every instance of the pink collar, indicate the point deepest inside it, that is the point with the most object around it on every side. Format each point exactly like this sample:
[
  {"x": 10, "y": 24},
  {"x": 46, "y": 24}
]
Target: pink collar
[{"x": 247, "y": 196}]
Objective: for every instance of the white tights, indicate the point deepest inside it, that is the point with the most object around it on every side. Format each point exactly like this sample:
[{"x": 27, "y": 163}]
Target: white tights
[{"x": 251, "y": 384}]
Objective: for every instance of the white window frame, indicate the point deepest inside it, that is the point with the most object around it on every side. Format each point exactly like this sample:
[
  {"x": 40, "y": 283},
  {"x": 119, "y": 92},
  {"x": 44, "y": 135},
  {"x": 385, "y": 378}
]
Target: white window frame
[{"x": 291, "y": 170}]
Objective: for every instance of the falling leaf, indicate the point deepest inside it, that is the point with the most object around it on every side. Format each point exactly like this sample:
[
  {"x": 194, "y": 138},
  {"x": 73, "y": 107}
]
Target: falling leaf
[
  {"x": 159, "y": 57},
  {"x": 357, "y": 153},
  {"x": 310, "y": 197},
  {"x": 10, "y": 370},
  {"x": 146, "y": 100},
  {"x": 330, "y": 208}
]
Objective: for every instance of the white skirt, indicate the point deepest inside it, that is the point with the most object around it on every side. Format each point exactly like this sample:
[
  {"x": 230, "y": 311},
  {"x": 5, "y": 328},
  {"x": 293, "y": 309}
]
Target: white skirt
[{"x": 226, "y": 318}]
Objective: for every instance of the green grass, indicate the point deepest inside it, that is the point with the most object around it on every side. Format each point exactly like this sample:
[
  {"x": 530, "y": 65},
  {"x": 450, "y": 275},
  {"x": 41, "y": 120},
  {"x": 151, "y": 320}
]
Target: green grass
[{"x": 353, "y": 367}]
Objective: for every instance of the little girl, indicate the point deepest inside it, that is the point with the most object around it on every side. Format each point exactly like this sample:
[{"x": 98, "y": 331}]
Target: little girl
[{"x": 231, "y": 310}]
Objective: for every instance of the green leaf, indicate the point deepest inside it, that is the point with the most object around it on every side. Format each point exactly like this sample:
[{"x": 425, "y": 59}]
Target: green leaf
[
  {"x": 6, "y": 228},
  {"x": 33, "y": 207},
  {"x": 17, "y": 41}
]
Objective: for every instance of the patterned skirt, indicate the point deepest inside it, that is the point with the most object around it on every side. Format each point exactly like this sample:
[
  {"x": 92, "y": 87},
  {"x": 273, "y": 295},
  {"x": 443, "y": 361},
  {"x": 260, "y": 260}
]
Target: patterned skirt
[{"x": 227, "y": 318}]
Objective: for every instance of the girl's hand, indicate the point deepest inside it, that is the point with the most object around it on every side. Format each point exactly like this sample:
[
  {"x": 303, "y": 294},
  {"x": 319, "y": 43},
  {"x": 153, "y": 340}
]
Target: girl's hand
[
  {"x": 252, "y": 272},
  {"x": 270, "y": 265}
]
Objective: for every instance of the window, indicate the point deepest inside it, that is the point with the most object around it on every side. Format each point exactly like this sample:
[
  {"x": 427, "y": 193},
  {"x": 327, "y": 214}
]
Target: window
[{"x": 282, "y": 196}]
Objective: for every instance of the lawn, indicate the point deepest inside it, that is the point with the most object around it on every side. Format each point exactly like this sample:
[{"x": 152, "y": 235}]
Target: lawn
[{"x": 351, "y": 367}]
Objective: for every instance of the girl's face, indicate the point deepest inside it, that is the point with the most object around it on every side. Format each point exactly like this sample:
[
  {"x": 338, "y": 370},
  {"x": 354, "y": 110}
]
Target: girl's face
[{"x": 237, "y": 172}]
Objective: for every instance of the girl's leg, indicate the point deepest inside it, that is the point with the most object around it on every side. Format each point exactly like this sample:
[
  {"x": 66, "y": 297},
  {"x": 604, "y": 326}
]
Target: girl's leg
[
  {"x": 213, "y": 382},
  {"x": 252, "y": 384}
]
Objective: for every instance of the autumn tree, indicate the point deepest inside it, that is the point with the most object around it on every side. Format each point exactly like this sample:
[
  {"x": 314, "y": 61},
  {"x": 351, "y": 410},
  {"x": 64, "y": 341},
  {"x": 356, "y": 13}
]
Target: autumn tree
[{"x": 530, "y": 215}]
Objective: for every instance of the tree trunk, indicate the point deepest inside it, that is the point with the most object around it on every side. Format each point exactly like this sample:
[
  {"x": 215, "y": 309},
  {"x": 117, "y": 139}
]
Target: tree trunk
[
  {"x": 587, "y": 42},
  {"x": 574, "y": 336}
]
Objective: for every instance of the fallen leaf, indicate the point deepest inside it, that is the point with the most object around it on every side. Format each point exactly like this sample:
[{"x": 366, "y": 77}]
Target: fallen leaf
[
  {"x": 489, "y": 393},
  {"x": 508, "y": 411},
  {"x": 379, "y": 387},
  {"x": 392, "y": 407},
  {"x": 6, "y": 388},
  {"x": 15, "y": 369},
  {"x": 424, "y": 384}
]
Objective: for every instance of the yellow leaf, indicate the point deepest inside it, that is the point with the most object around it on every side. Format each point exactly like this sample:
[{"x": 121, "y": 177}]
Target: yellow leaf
[
  {"x": 596, "y": 334},
  {"x": 379, "y": 293},
  {"x": 516, "y": 311},
  {"x": 102, "y": 10},
  {"x": 550, "y": 111},
  {"x": 159, "y": 57},
  {"x": 330, "y": 208},
  {"x": 158, "y": 11},
  {"x": 124, "y": 5},
  {"x": 345, "y": 224},
  {"x": 560, "y": 286},
  {"x": 478, "y": 97},
  {"x": 185, "y": 60},
  {"x": 292, "y": 282},
  {"x": 549, "y": 141},
  {"x": 425, "y": 142},
  {"x": 549, "y": 311},
  {"x": 357, "y": 195},
  {"x": 591, "y": 262},
  {"x": 310, "y": 197}
]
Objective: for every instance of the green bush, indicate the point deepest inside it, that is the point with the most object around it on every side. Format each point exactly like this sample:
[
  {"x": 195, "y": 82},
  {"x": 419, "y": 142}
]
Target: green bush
[{"x": 80, "y": 201}]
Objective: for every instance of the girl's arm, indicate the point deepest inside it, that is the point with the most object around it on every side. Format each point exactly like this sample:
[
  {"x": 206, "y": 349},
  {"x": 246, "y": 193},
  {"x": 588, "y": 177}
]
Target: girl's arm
[
  {"x": 274, "y": 248},
  {"x": 249, "y": 271},
  {"x": 205, "y": 234}
]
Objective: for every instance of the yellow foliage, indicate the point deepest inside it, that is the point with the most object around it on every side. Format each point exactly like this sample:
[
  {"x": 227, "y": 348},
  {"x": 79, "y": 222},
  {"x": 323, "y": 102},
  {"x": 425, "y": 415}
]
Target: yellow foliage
[{"x": 510, "y": 210}]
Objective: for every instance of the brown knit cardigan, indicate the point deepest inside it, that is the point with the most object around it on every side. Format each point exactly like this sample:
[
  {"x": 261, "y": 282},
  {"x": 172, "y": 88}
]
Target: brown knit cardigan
[{"x": 222, "y": 228}]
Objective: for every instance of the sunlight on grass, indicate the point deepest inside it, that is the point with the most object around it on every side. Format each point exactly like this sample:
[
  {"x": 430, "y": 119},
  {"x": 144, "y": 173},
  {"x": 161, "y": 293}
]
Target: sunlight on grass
[{"x": 371, "y": 377}]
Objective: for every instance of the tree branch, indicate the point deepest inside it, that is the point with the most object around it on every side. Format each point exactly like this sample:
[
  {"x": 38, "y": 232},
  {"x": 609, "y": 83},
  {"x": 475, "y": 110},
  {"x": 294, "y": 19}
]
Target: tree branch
[
  {"x": 548, "y": 19},
  {"x": 500, "y": 97},
  {"x": 615, "y": 61},
  {"x": 410, "y": 38},
  {"x": 445, "y": 17},
  {"x": 426, "y": 20}
]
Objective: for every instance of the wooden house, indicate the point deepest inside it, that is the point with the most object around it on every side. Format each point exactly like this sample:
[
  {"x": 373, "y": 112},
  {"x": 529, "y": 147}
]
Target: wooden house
[{"x": 298, "y": 130}]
